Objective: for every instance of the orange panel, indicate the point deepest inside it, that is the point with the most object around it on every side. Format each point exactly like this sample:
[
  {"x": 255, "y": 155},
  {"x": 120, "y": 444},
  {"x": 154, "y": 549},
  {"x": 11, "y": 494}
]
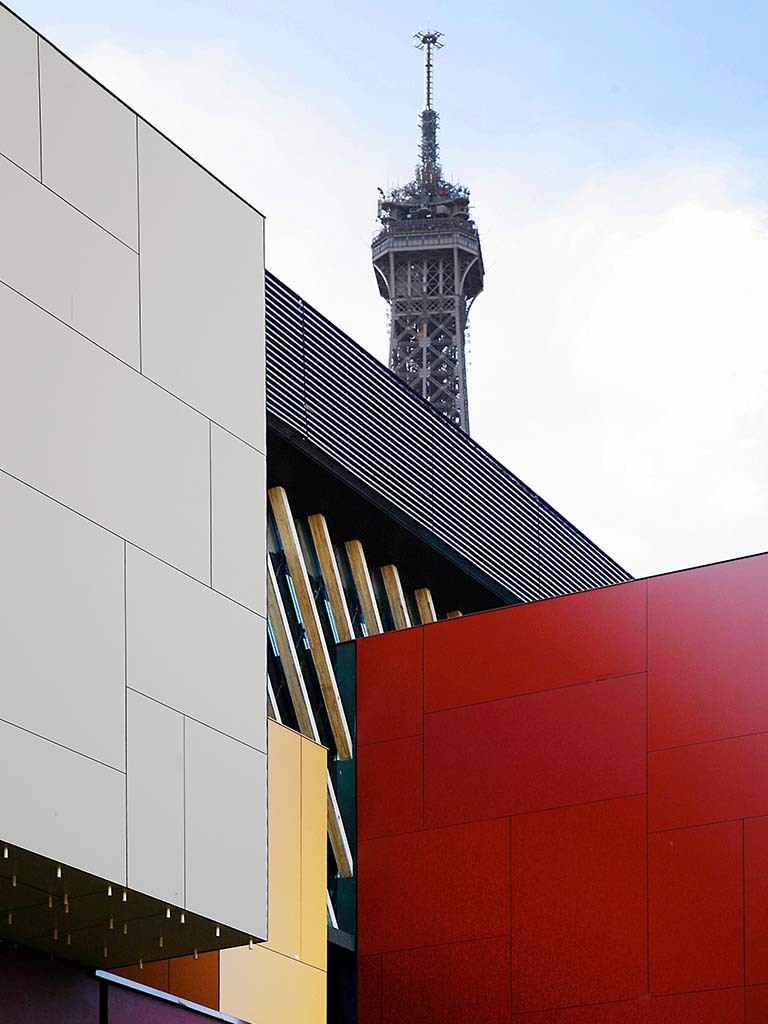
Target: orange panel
[
  {"x": 314, "y": 824},
  {"x": 284, "y": 824},
  {"x": 196, "y": 980},
  {"x": 155, "y": 974}
]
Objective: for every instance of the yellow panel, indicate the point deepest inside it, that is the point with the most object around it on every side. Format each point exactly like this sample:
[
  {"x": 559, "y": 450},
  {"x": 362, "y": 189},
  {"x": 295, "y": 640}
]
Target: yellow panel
[
  {"x": 284, "y": 823},
  {"x": 314, "y": 822},
  {"x": 261, "y": 985}
]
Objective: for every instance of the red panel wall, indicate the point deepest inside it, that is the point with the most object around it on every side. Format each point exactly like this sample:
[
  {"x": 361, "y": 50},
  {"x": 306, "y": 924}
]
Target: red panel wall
[{"x": 563, "y": 809}]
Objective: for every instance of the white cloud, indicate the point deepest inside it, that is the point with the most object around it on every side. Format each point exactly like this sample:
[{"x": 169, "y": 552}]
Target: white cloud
[
  {"x": 631, "y": 319},
  {"x": 619, "y": 353}
]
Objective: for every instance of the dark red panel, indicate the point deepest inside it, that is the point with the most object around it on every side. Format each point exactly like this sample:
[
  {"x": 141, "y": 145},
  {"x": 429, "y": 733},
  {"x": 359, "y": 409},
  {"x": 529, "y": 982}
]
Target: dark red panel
[
  {"x": 696, "y": 908},
  {"x": 757, "y": 1005},
  {"x": 38, "y": 990},
  {"x": 535, "y": 647},
  {"x": 567, "y": 746},
  {"x": 579, "y": 905},
  {"x": 389, "y": 685},
  {"x": 756, "y": 899},
  {"x": 444, "y": 885},
  {"x": 707, "y": 652},
  {"x": 464, "y": 983},
  {"x": 721, "y": 1007},
  {"x": 369, "y": 990},
  {"x": 389, "y": 787},
  {"x": 708, "y": 782}
]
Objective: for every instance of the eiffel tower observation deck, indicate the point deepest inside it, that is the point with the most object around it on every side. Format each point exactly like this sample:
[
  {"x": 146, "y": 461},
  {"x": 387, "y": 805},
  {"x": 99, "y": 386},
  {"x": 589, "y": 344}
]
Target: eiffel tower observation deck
[{"x": 429, "y": 268}]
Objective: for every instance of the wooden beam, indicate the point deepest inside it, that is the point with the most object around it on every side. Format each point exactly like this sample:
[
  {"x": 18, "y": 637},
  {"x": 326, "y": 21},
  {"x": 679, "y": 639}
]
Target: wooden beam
[
  {"x": 281, "y": 631},
  {"x": 453, "y": 615},
  {"x": 364, "y": 587},
  {"x": 331, "y": 577},
  {"x": 331, "y": 912},
  {"x": 395, "y": 596},
  {"x": 338, "y": 835},
  {"x": 425, "y": 605},
  {"x": 286, "y": 527},
  {"x": 273, "y": 711}
]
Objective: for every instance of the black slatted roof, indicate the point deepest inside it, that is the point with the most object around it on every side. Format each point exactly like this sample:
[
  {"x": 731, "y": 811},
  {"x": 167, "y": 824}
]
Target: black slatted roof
[{"x": 328, "y": 394}]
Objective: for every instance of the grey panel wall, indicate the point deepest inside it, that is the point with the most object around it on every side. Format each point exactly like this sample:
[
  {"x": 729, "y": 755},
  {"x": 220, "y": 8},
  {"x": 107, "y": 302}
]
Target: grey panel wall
[{"x": 132, "y": 468}]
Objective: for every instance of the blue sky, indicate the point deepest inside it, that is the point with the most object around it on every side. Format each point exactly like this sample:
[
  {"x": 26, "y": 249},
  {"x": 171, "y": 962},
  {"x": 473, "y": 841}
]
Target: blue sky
[{"x": 618, "y": 159}]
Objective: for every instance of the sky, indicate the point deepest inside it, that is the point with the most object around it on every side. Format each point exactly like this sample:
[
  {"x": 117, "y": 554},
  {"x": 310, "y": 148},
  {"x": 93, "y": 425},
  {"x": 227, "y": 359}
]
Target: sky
[{"x": 617, "y": 156}]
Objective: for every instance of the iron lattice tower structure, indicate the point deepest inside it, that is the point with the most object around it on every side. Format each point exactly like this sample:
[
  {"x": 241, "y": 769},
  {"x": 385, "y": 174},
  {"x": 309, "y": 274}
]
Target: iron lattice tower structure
[{"x": 429, "y": 268}]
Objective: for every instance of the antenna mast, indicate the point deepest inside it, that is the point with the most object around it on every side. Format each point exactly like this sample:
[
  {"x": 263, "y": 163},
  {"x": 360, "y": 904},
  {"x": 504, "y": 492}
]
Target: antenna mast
[{"x": 429, "y": 173}]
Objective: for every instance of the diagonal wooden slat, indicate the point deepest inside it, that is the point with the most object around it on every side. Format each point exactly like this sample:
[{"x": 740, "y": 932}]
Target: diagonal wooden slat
[
  {"x": 425, "y": 605},
  {"x": 321, "y": 538},
  {"x": 273, "y": 711},
  {"x": 338, "y": 835},
  {"x": 364, "y": 587},
  {"x": 286, "y": 527},
  {"x": 395, "y": 596},
  {"x": 293, "y": 675}
]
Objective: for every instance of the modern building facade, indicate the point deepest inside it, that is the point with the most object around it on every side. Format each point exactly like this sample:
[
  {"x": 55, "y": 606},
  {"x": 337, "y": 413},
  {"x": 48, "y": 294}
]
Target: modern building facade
[{"x": 249, "y": 654}]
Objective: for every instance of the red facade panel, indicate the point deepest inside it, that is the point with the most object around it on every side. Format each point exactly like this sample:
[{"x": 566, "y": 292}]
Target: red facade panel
[
  {"x": 389, "y": 706},
  {"x": 757, "y": 1005},
  {"x": 708, "y": 782},
  {"x": 579, "y": 905},
  {"x": 696, "y": 908},
  {"x": 434, "y": 887},
  {"x": 535, "y": 647},
  {"x": 391, "y": 770},
  {"x": 463, "y": 983},
  {"x": 707, "y": 653},
  {"x": 756, "y": 899},
  {"x": 369, "y": 989},
  {"x": 723, "y": 1007},
  {"x": 566, "y": 746},
  {"x": 613, "y": 886}
]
